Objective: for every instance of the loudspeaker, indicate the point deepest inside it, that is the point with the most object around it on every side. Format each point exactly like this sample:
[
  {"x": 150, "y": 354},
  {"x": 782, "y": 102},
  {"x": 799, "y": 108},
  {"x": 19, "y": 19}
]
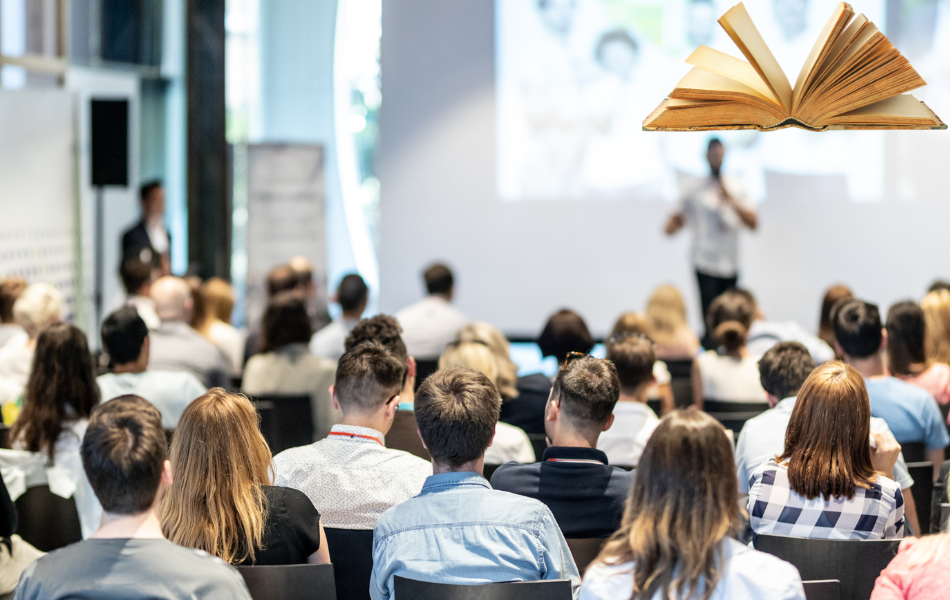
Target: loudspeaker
[{"x": 110, "y": 142}]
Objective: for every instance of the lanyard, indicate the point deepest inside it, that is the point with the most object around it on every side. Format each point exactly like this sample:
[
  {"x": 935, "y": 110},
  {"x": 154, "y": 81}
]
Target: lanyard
[
  {"x": 575, "y": 460},
  {"x": 356, "y": 435}
]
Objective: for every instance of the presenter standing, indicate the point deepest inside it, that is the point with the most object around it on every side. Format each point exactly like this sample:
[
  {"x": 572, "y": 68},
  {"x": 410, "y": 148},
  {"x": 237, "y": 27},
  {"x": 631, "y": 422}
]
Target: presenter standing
[{"x": 716, "y": 210}]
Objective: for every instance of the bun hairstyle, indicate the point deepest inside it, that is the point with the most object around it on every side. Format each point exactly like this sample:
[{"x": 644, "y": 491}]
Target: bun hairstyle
[{"x": 729, "y": 319}]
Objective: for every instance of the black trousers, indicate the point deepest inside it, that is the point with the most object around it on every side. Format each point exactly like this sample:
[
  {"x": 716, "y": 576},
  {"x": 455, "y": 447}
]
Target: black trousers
[{"x": 711, "y": 286}]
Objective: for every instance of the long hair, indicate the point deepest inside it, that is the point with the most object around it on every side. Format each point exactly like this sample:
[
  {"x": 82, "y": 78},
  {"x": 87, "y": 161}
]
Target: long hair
[
  {"x": 61, "y": 388},
  {"x": 221, "y": 463},
  {"x": 906, "y": 332},
  {"x": 488, "y": 334},
  {"x": 218, "y": 298},
  {"x": 666, "y": 313},
  {"x": 684, "y": 503},
  {"x": 285, "y": 322},
  {"x": 826, "y": 328},
  {"x": 936, "y": 307},
  {"x": 826, "y": 444}
]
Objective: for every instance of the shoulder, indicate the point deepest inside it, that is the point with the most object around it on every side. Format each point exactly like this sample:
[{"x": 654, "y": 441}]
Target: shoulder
[
  {"x": 603, "y": 581},
  {"x": 769, "y": 473},
  {"x": 292, "y": 456},
  {"x": 512, "y": 476},
  {"x": 760, "y": 570},
  {"x": 288, "y": 497}
]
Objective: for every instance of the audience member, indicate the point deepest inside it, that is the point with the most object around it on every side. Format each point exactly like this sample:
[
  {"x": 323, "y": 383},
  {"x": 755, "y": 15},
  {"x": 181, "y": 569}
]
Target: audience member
[
  {"x": 936, "y": 306},
  {"x": 433, "y": 322},
  {"x": 939, "y": 284},
  {"x": 222, "y": 500},
  {"x": 123, "y": 453},
  {"x": 218, "y": 296},
  {"x": 490, "y": 336},
  {"x": 386, "y": 330},
  {"x": 10, "y": 290},
  {"x": 37, "y": 307},
  {"x": 352, "y": 296},
  {"x": 285, "y": 365},
  {"x": 125, "y": 338},
  {"x": 676, "y": 540},
  {"x": 573, "y": 478},
  {"x": 149, "y": 238},
  {"x": 175, "y": 345},
  {"x": 660, "y": 388},
  {"x": 920, "y": 571},
  {"x": 910, "y": 412},
  {"x": 137, "y": 279},
  {"x": 906, "y": 358},
  {"x": 729, "y": 374},
  {"x": 826, "y": 483},
  {"x": 351, "y": 475},
  {"x": 666, "y": 315},
  {"x": 306, "y": 286},
  {"x": 280, "y": 279},
  {"x": 634, "y": 357},
  {"x": 826, "y": 328},
  {"x": 763, "y": 334},
  {"x": 449, "y": 533}
]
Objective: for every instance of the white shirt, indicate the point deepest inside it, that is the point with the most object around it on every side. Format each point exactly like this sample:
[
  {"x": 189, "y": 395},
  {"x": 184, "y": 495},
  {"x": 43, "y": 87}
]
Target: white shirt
[
  {"x": 621, "y": 442},
  {"x": 747, "y": 574},
  {"x": 16, "y": 360},
  {"x": 510, "y": 444},
  {"x": 428, "y": 325},
  {"x": 351, "y": 480},
  {"x": 329, "y": 341},
  {"x": 715, "y": 225},
  {"x": 231, "y": 341},
  {"x": 10, "y": 331},
  {"x": 765, "y": 334},
  {"x": 157, "y": 236},
  {"x": 170, "y": 391},
  {"x": 730, "y": 379}
]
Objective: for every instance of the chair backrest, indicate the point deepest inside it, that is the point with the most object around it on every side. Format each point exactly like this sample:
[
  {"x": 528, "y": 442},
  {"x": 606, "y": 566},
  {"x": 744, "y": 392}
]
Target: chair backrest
[
  {"x": 585, "y": 550},
  {"x": 555, "y": 589},
  {"x": 923, "y": 491},
  {"x": 286, "y": 421},
  {"x": 424, "y": 368},
  {"x": 855, "y": 563},
  {"x": 404, "y": 435},
  {"x": 290, "y": 582},
  {"x": 539, "y": 442},
  {"x": 351, "y": 552},
  {"x": 656, "y": 406},
  {"x": 914, "y": 451},
  {"x": 944, "y": 516},
  {"x": 46, "y": 520},
  {"x": 681, "y": 381},
  {"x": 718, "y": 406},
  {"x": 827, "y": 589}
]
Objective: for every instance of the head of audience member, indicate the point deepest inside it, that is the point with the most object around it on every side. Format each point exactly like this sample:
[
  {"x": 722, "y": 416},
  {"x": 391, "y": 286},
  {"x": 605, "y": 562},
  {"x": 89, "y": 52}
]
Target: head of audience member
[
  {"x": 61, "y": 388},
  {"x": 10, "y": 290},
  {"x": 37, "y": 307},
  {"x": 834, "y": 295},
  {"x": 124, "y": 457},
  {"x": 137, "y": 276},
  {"x": 474, "y": 355},
  {"x": 367, "y": 386},
  {"x": 827, "y": 441},
  {"x": 630, "y": 322},
  {"x": 173, "y": 300},
  {"x": 125, "y": 338},
  {"x": 757, "y": 313},
  {"x": 565, "y": 332},
  {"x": 456, "y": 411},
  {"x": 936, "y": 307},
  {"x": 633, "y": 356},
  {"x": 683, "y": 504},
  {"x": 199, "y": 309},
  {"x": 439, "y": 281},
  {"x": 386, "y": 330},
  {"x": 618, "y": 52},
  {"x": 281, "y": 279},
  {"x": 221, "y": 463},
  {"x": 729, "y": 319},
  {"x": 939, "y": 284},
  {"x": 859, "y": 333},
  {"x": 352, "y": 295},
  {"x": 581, "y": 404},
  {"x": 219, "y": 300},
  {"x": 303, "y": 272},
  {"x": 285, "y": 322},
  {"x": 715, "y": 154},
  {"x": 906, "y": 335},
  {"x": 494, "y": 339},
  {"x": 152, "y": 197},
  {"x": 783, "y": 369}
]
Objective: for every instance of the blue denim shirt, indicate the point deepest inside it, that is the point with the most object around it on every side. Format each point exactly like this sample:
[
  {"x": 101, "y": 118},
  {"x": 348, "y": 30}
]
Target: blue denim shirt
[{"x": 459, "y": 530}]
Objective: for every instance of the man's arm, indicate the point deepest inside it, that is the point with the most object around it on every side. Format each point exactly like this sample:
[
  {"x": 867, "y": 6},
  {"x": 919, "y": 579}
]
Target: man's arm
[
  {"x": 557, "y": 557},
  {"x": 675, "y": 223},
  {"x": 747, "y": 215},
  {"x": 936, "y": 457}
]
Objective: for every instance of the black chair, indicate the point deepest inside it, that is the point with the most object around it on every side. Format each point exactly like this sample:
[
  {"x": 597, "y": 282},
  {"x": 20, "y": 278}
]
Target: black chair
[
  {"x": 829, "y": 589},
  {"x": 539, "y": 442},
  {"x": 923, "y": 490},
  {"x": 489, "y": 471},
  {"x": 236, "y": 382},
  {"x": 733, "y": 415},
  {"x": 855, "y": 563},
  {"x": 424, "y": 368},
  {"x": 404, "y": 435},
  {"x": 290, "y": 582},
  {"x": 681, "y": 381},
  {"x": 585, "y": 550},
  {"x": 351, "y": 552},
  {"x": 656, "y": 406},
  {"x": 286, "y": 421},
  {"x": 46, "y": 520},
  {"x": 914, "y": 452},
  {"x": 556, "y": 589}
]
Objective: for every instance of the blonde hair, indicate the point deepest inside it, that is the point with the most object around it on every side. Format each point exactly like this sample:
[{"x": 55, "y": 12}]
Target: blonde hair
[
  {"x": 666, "y": 313},
  {"x": 37, "y": 307},
  {"x": 488, "y": 334},
  {"x": 218, "y": 297},
  {"x": 936, "y": 307},
  {"x": 221, "y": 463},
  {"x": 471, "y": 355},
  {"x": 928, "y": 549},
  {"x": 631, "y": 322}
]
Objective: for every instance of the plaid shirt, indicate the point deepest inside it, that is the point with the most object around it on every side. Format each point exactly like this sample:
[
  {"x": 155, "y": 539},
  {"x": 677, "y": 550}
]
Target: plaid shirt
[{"x": 776, "y": 509}]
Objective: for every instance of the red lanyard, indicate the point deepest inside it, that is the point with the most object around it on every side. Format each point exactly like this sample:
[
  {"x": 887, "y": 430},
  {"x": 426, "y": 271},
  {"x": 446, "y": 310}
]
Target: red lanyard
[{"x": 357, "y": 435}]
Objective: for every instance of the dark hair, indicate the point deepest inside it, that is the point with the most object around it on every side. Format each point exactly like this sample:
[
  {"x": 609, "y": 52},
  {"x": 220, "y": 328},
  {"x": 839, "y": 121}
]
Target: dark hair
[
  {"x": 729, "y": 318},
  {"x": 456, "y": 411},
  {"x": 199, "y": 308},
  {"x": 10, "y": 290},
  {"x": 146, "y": 189},
  {"x": 784, "y": 368},
  {"x": 62, "y": 375},
  {"x": 123, "y": 454},
  {"x": 281, "y": 279},
  {"x": 713, "y": 141},
  {"x": 383, "y": 329},
  {"x": 938, "y": 285},
  {"x": 905, "y": 339},
  {"x": 367, "y": 376},
  {"x": 285, "y": 322},
  {"x": 834, "y": 295},
  {"x": 123, "y": 333},
  {"x": 617, "y": 35},
  {"x": 857, "y": 326},
  {"x": 352, "y": 292},
  {"x": 135, "y": 273},
  {"x": 633, "y": 358},
  {"x": 565, "y": 332},
  {"x": 439, "y": 279},
  {"x": 588, "y": 389}
]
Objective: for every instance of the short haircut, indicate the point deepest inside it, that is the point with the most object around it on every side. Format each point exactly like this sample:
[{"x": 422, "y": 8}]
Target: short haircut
[
  {"x": 857, "y": 326},
  {"x": 135, "y": 273},
  {"x": 123, "y": 333},
  {"x": 285, "y": 321},
  {"x": 281, "y": 279},
  {"x": 784, "y": 368},
  {"x": 36, "y": 307},
  {"x": 439, "y": 279},
  {"x": 938, "y": 285},
  {"x": 10, "y": 290},
  {"x": 352, "y": 292},
  {"x": 367, "y": 376},
  {"x": 146, "y": 189},
  {"x": 565, "y": 332},
  {"x": 906, "y": 338},
  {"x": 383, "y": 329},
  {"x": 457, "y": 410},
  {"x": 633, "y": 357},
  {"x": 589, "y": 389},
  {"x": 123, "y": 454}
]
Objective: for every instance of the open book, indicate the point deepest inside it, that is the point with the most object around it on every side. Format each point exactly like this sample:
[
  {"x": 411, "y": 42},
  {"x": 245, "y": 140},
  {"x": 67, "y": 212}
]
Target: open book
[{"x": 854, "y": 78}]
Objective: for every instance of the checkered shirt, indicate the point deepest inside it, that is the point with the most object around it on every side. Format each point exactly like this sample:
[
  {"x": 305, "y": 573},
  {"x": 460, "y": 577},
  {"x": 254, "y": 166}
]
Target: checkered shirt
[{"x": 774, "y": 508}]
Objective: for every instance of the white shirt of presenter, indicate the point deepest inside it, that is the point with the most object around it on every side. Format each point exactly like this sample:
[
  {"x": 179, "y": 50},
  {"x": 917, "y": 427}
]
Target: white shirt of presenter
[{"x": 715, "y": 224}]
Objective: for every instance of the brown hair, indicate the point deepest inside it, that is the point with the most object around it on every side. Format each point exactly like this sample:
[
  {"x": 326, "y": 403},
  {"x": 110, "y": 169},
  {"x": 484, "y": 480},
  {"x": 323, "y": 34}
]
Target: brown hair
[
  {"x": 285, "y": 322},
  {"x": 936, "y": 306},
  {"x": 219, "y": 300},
  {"x": 439, "y": 279},
  {"x": 588, "y": 389},
  {"x": 199, "y": 308},
  {"x": 633, "y": 358},
  {"x": 729, "y": 319},
  {"x": 565, "y": 332},
  {"x": 221, "y": 463},
  {"x": 826, "y": 326},
  {"x": 367, "y": 376},
  {"x": 10, "y": 290},
  {"x": 630, "y": 322},
  {"x": 906, "y": 332},
  {"x": 684, "y": 503},
  {"x": 383, "y": 329},
  {"x": 826, "y": 444}
]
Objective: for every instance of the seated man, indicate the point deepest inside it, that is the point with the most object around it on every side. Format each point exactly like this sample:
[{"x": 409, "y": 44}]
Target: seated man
[
  {"x": 351, "y": 475},
  {"x": 386, "y": 330},
  {"x": 783, "y": 370},
  {"x": 459, "y": 530},
  {"x": 124, "y": 456},
  {"x": 352, "y": 295},
  {"x": 763, "y": 334},
  {"x": 433, "y": 322},
  {"x": 125, "y": 338},
  {"x": 585, "y": 495},
  {"x": 137, "y": 277}
]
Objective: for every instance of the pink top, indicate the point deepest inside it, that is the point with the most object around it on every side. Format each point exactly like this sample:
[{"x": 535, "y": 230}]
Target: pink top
[
  {"x": 935, "y": 380},
  {"x": 900, "y": 581}
]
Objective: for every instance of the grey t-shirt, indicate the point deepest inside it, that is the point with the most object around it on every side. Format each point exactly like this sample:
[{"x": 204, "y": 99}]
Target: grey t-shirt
[{"x": 130, "y": 569}]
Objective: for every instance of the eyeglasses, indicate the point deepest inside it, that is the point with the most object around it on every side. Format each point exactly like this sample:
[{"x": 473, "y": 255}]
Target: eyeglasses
[
  {"x": 626, "y": 335},
  {"x": 393, "y": 397}
]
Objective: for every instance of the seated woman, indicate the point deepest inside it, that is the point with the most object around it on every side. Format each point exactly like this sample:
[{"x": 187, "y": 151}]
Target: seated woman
[
  {"x": 632, "y": 323},
  {"x": 221, "y": 500},
  {"x": 676, "y": 540},
  {"x": 920, "y": 571},
  {"x": 906, "y": 357},
  {"x": 826, "y": 483},
  {"x": 666, "y": 318},
  {"x": 36, "y": 308},
  {"x": 218, "y": 297}
]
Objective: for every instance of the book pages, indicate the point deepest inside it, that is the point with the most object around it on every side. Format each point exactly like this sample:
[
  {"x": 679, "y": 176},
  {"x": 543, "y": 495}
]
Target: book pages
[
  {"x": 738, "y": 24},
  {"x": 823, "y": 45},
  {"x": 738, "y": 70}
]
